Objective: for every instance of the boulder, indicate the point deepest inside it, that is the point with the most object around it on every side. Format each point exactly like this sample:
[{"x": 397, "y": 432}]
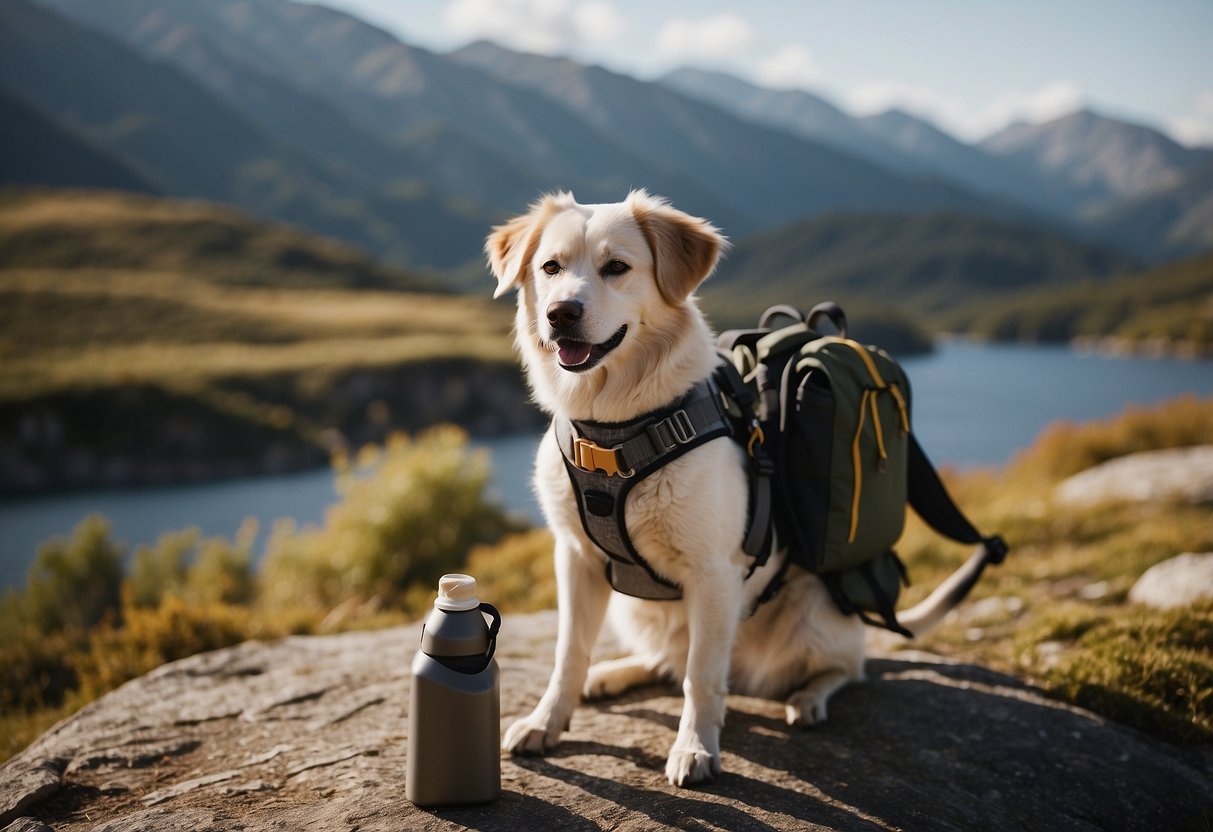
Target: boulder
[
  {"x": 1184, "y": 474},
  {"x": 309, "y": 733},
  {"x": 1181, "y": 580}
]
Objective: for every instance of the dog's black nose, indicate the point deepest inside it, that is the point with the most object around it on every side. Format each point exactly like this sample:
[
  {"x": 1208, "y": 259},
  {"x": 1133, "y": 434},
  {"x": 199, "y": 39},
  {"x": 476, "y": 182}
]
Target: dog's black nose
[{"x": 563, "y": 315}]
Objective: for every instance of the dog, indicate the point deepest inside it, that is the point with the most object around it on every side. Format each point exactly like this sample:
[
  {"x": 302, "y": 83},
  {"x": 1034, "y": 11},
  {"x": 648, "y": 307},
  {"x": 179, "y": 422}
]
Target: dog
[{"x": 608, "y": 329}]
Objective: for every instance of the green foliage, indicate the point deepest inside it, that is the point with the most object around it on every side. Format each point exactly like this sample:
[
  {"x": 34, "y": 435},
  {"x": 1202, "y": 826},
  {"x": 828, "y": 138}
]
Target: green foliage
[
  {"x": 183, "y": 564},
  {"x": 74, "y": 583},
  {"x": 517, "y": 573},
  {"x": 159, "y": 570},
  {"x": 408, "y": 514},
  {"x": 1168, "y": 303},
  {"x": 221, "y": 573},
  {"x": 148, "y": 637},
  {"x": 148, "y": 330},
  {"x": 1146, "y": 668},
  {"x": 926, "y": 265},
  {"x": 1066, "y": 448},
  {"x": 79, "y": 230},
  {"x": 36, "y": 669}
]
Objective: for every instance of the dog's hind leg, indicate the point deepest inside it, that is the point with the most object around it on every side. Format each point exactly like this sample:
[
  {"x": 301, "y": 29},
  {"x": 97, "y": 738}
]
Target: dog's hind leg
[
  {"x": 613, "y": 677},
  {"x": 807, "y": 706},
  {"x": 582, "y": 597}
]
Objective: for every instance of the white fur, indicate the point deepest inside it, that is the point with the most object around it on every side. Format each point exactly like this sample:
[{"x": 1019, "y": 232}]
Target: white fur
[{"x": 687, "y": 519}]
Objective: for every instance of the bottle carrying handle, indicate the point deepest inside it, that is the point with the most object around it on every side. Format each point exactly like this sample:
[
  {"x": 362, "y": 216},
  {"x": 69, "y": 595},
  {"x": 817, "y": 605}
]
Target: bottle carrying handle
[{"x": 494, "y": 628}]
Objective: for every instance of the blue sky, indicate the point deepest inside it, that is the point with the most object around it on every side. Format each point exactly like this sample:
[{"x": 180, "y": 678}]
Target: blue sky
[{"x": 970, "y": 66}]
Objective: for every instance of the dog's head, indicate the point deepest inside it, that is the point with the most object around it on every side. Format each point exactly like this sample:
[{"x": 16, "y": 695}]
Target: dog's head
[{"x": 598, "y": 282}]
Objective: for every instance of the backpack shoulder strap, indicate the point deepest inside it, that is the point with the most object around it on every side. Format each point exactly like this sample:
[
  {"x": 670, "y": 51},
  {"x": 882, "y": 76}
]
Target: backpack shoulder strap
[{"x": 930, "y": 499}]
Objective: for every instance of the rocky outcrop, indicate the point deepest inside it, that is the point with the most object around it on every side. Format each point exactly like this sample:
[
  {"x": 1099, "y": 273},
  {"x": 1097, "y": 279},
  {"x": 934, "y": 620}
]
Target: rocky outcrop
[
  {"x": 309, "y": 733},
  {"x": 1183, "y": 579},
  {"x": 1184, "y": 474},
  {"x": 149, "y": 434}
]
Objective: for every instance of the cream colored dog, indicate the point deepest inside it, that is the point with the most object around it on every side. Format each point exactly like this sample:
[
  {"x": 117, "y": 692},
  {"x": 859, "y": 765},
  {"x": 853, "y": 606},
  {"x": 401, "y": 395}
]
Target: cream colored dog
[{"x": 608, "y": 330}]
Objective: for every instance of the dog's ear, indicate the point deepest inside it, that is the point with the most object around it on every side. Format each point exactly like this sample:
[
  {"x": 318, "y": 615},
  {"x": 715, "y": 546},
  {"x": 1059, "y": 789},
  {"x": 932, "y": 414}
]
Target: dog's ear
[
  {"x": 511, "y": 246},
  {"x": 685, "y": 248},
  {"x": 507, "y": 249}
]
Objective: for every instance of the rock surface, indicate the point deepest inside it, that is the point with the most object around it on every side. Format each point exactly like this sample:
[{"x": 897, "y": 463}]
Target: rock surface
[
  {"x": 1174, "y": 474},
  {"x": 1181, "y": 580},
  {"x": 309, "y": 734}
]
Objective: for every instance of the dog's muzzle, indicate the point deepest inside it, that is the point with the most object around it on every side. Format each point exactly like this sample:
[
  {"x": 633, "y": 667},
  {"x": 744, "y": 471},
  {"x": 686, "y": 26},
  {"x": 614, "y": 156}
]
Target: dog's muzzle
[{"x": 579, "y": 356}]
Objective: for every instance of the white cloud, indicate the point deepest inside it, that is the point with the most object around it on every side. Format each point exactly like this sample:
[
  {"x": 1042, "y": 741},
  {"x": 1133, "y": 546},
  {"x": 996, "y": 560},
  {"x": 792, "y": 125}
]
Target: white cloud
[
  {"x": 789, "y": 67},
  {"x": 961, "y": 118},
  {"x": 543, "y": 26},
  {"x": 709, "y": 39},
  {"x": 1049, "y": 102},
  {"x": 1195, "y": 127}
]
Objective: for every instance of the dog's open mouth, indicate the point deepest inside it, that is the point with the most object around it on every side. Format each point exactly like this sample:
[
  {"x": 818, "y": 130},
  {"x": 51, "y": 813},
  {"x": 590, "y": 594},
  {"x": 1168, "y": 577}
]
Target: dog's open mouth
[{"x": 579, "y": 356}]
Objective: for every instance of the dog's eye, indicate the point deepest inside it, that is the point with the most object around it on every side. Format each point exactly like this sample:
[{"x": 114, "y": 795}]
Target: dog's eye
[
  {"x": 615, "y": 268},
  {"x": 551, "y": 267}
]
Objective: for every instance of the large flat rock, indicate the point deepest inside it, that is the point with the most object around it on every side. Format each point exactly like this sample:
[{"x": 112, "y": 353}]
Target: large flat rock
[
  {"x": 309, "y": 734},
  {"x": 1183, "y": 474}
]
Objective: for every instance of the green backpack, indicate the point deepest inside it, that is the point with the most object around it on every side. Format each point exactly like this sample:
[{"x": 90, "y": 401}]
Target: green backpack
[{"x": 833, "y": 418}]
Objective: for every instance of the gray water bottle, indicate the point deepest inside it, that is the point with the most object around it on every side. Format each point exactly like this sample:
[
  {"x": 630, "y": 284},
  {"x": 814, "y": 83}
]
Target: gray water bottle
[{"x": 454, "y": 754}]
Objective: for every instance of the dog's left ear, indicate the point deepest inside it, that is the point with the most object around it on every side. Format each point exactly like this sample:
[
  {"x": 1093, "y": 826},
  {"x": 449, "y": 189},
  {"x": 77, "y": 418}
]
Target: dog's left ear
[{"x": 685, "y": 248}]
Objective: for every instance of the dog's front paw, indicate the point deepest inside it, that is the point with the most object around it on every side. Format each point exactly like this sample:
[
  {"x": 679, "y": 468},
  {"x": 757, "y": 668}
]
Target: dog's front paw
[
  {"x": 532, "y": 734},
  {"x": 690, "y": 766}
]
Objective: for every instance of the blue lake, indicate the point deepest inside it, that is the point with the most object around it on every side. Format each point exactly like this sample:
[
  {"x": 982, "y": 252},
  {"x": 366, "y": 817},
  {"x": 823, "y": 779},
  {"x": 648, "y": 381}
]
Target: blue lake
[{"x": 974, "y": 405}]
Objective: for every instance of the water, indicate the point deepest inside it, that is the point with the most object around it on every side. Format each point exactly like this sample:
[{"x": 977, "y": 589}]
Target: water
[{"x": 973, "y": 405}]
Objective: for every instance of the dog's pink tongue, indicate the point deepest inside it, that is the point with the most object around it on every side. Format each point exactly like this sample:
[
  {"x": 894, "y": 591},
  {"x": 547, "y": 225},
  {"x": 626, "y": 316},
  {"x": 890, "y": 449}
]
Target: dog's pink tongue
[{"x": 573, "y": 353}]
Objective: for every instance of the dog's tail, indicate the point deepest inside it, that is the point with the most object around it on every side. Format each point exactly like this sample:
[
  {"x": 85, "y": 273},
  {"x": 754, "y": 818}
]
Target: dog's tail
[{"x": 926, "y": 615}]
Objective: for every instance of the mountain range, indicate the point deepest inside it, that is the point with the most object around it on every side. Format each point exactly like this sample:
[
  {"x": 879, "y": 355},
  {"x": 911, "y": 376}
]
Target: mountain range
[
  {"x": 311, "y": 116},
  {"x": 1079, "y": 169}
]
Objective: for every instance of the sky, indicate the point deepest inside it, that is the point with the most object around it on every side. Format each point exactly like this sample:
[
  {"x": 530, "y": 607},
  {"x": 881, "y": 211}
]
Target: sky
[{"x": 969, "y": 66}]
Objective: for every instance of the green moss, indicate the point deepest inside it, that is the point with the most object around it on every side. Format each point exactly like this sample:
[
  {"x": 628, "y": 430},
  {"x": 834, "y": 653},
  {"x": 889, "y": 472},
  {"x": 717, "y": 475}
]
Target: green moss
[{"x": 1146, "y": 668}]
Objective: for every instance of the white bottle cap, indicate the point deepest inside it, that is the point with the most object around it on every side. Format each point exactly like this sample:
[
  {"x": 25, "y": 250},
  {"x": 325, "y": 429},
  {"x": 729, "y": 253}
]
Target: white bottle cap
[{"x": 456, "y": 593}]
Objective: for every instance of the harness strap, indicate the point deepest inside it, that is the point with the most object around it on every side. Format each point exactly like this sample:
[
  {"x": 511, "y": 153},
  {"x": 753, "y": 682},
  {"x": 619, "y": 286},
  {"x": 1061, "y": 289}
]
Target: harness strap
[{"x": 605, "y": 460}]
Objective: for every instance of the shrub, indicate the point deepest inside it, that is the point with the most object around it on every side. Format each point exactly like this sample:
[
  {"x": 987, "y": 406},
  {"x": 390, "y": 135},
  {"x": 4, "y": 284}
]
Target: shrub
[
  {"x": 36, "y": 669},
  {"x": 160, "y": 569},
  {"x": 75, "y": 582},
  {"x": 517, "y": 574},
  {"x": 1065, "y": 448},
  {"x": 149, "y": 637},
  {"x": 222, "y": 571},
  {"x": 211, "y": 570},
  {"x": 409, "y": 512}
]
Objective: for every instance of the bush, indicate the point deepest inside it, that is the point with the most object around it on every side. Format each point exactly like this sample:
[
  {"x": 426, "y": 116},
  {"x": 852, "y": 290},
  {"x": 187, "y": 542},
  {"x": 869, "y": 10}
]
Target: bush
[
  {"x": 160, "y": 569},
  {"x": 36, "y": 670},
  {"x": 409, "y": 513},
  {"x": 1065, "y": 448},
  {"x": 518, "y": 574},
  {"x": 149, "y": 637},
  {"x": 76, "y": 582},
  {"x": 181, "y": 563}
]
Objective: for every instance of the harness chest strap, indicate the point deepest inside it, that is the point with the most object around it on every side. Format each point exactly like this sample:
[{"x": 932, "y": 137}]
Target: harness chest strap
[{"x": 605, "y": 460}]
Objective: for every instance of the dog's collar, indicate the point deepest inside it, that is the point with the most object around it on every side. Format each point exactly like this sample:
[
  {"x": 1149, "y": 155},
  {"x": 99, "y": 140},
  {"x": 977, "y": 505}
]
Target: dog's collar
[{"x": 622, "y": 449}]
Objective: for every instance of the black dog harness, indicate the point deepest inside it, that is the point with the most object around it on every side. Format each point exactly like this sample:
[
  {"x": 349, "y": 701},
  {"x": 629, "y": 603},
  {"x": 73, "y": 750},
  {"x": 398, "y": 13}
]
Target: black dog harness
[{"x": 605, "y": 460}]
